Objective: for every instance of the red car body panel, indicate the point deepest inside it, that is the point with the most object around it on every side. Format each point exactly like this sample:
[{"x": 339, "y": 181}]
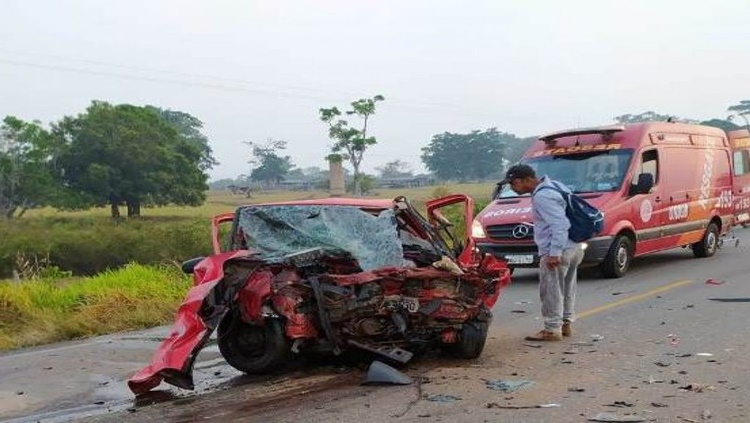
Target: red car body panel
[{"x": 188, "y": 330}]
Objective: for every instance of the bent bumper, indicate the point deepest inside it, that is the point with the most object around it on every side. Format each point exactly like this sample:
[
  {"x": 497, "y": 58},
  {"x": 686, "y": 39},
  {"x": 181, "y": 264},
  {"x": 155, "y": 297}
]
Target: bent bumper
[{"x": 527, "y": 255}]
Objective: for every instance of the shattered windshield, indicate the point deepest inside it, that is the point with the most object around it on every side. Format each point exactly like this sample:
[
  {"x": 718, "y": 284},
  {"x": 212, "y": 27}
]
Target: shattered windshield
[
  {"x": 599, "y": 171},
  {"x": 278, "y": 231}
]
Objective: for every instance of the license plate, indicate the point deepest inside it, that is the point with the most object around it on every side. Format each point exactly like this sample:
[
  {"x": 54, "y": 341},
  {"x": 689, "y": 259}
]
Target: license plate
[{"x": 520, "y": 259}]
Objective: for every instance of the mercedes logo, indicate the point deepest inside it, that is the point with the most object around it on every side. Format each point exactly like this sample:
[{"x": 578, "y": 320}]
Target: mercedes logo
[{"x": 521, "y": 231}]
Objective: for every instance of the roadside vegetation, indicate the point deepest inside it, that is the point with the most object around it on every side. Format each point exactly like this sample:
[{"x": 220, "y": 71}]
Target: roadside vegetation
[{"x": 40, "y": 311}]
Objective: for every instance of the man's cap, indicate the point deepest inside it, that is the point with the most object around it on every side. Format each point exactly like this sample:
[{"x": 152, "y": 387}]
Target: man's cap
[{"x": 519, "y": 171}]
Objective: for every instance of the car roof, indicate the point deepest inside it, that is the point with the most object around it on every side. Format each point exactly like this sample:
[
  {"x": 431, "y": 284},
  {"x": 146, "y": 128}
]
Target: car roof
[{"x": 369, "y": 203}]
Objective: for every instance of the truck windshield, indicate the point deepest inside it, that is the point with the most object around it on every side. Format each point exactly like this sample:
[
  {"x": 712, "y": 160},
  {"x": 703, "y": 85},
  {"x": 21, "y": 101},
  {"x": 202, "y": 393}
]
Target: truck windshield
[{"x": 598, "y": 171}]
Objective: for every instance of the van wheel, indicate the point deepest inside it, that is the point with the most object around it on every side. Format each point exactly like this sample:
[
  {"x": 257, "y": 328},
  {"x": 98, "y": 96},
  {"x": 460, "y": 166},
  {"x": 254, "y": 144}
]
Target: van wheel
[
  {"x": 618, "y": 259},
  {"x": 709, "y": 244}
]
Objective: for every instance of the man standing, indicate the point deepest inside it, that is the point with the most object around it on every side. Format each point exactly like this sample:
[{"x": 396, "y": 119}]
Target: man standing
[{"x": 559, "y": 257}]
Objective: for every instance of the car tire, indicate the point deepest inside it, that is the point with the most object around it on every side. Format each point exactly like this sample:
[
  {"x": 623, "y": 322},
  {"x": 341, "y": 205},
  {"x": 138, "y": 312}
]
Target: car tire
[
  {"x": 471, "y": 340},
  {"x": 619, "y": 257},
  {"x": 707, "y": 246},
  {"x": 253, "y": 349}
]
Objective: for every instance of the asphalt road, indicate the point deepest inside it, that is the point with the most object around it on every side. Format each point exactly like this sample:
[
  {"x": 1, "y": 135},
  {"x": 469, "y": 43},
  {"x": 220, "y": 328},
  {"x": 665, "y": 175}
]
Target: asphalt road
[{"x": 656, "y": 344}]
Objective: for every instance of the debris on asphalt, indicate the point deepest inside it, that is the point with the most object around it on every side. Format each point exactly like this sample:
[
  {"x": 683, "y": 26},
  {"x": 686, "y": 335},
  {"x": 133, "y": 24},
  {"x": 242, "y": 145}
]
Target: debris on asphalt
[
  {"x": 520, "y": 407},
  {"x": 383, "y": 374},
  {"x": 532, "y": 345},
  {"x": 663, "y": 363},
  {"x": 523, "y": 302},
  {"x": 507, "y": 385},
  {"x": 712, "y": 281},
  {"x": 731, "y": 300},
  {"x": 706, "y": 414},
  {"x": 576, "y": 389},
  {"x": 19, "y": 393},
  {"x": 570, "y": 352},
  {"x": 596, "y": 338},
  {"x": 620, "y": 404},
  {"x": 705, "y": 355},
  {"x": 616, "y": 418},
  {"x": 651, "y": 380},
  {"x": 659, "y": 405},
  {"x": 442, "y": 398},
  {"x": 518, "y": 311},
  {"x": 694, "y": 387},
  {"x": 689, "y": 306},
  {"x": 673, "y": 339},
  {"x": 685, "y": 419}
]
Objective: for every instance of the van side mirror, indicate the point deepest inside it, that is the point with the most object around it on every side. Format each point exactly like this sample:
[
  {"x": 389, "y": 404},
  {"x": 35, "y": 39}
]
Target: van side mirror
[
  {"x": 188, "y": 266},
  {"x": 644, "y": 185}
]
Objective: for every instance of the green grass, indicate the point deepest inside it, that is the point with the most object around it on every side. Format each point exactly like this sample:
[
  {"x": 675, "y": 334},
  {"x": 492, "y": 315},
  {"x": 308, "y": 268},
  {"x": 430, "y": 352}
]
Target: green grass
[{"x": 133, "y": 297}]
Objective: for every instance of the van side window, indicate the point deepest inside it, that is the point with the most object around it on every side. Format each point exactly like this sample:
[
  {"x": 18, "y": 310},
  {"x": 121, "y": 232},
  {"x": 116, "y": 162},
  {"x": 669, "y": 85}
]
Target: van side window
[
  {"x": 649, "y": 164},
  {"x": 741, "y": 162}
]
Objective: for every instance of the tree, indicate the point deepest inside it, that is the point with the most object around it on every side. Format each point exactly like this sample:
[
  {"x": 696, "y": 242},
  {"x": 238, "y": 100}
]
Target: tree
[
  {"x": 641, "y": 117},
  {"x": 125, "y": 154},
  {"x": 395, "y": 169},
  {"x": 472, "y": 156},
  {"x": 516, "y": 147},
  {"x": 351, "y": 143},
  {"x": 726, "y": 125},
  {"x": 742, "y": 110},
  {"x": 189, "y": 128},
  {"x": 269, "y": 166},
  {"x": 27, "y": 177}
]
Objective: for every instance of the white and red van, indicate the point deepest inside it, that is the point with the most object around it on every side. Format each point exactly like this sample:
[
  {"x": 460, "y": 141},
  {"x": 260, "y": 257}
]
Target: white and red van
[
  {"x": 660, "y": 185},
  {"x": 740, "y": 141}
]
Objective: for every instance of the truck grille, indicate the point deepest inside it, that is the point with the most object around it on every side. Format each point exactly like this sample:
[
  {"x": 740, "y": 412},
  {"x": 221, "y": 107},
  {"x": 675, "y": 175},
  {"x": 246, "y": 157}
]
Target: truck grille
[{"x": 506, "y": 232}]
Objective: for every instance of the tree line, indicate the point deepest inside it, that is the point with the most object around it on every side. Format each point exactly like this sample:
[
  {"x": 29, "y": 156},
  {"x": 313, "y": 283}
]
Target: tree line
[
  {"x": 142, "y": 156},
  {"x": 109, "y": 155}
]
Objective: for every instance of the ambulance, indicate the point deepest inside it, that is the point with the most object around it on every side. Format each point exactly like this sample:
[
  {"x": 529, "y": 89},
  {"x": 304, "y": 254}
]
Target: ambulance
[
  {"x": 660, "y": 185},
  {"x": 740, "y": 141}
]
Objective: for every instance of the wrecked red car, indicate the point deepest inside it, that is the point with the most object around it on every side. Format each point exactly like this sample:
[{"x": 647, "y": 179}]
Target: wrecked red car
[{"x": 333, "y": 275}]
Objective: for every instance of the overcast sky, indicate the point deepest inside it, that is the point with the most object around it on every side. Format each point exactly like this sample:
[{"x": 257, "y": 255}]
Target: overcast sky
[{"x": 258, "y": 69}]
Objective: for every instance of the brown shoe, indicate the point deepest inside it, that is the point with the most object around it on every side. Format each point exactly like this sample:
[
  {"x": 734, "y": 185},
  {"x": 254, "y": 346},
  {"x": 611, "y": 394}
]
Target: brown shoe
[
  {"x": 567, "y": 329},
  {"x": 545, "y": 335}
]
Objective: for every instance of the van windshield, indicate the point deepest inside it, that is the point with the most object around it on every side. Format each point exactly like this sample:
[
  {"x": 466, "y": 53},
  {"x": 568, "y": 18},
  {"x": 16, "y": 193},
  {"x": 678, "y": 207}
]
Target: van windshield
[{"x": 597, "y": 171}]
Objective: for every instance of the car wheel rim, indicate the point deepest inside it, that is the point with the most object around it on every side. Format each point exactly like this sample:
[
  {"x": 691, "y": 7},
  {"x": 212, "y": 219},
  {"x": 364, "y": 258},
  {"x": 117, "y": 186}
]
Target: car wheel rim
[
  {"x": 711, "y": 242},
  {"x": 622, "y": 257}
]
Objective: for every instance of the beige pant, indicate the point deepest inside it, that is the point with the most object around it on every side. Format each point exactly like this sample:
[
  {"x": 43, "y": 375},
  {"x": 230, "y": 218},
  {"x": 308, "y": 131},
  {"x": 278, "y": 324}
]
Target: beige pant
[{"x": 558, "y": 286}]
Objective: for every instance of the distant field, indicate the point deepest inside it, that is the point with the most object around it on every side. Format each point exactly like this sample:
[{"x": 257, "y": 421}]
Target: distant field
[
  {"x": 87, "y": 242},
  {"x": 224, "y": 201}
]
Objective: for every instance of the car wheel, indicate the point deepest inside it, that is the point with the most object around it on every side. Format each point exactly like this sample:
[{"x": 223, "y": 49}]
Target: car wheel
[
  {"x": 253, "y": 349},
  {"x": 619, "y": 257},
  {"x": 471, "y": 340},
  {"x": 709, "y": 244}
]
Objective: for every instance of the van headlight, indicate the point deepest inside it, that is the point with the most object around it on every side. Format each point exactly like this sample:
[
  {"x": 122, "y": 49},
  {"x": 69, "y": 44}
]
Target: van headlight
[
  {"x": 477, "y": 231},
  {"x": 584, "y": 246}
]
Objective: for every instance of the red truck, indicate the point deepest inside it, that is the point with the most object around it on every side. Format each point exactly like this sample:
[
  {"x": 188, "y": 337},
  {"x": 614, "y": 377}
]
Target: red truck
[{"x": 660, "y": 185}]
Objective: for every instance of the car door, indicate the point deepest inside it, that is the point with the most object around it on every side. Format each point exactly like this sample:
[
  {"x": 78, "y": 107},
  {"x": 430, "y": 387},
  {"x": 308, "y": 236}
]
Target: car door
[
  {"x": 452, "y": 217},
  {"x": 648, "y": 203}
]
